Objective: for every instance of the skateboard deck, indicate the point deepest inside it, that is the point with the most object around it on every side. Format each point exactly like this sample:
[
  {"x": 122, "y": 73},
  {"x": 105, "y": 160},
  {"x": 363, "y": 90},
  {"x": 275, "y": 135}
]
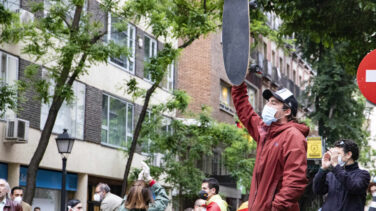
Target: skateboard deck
[{"x": 235, "y": 39}]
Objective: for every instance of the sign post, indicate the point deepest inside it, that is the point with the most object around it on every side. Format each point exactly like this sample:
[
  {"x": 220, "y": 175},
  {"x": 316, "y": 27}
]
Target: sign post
[{"x": 314, "y": 148}]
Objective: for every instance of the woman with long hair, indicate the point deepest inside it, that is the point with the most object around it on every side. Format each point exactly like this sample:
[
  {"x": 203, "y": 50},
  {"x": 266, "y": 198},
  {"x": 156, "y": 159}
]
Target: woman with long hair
[{"x": 140, "y": 195}]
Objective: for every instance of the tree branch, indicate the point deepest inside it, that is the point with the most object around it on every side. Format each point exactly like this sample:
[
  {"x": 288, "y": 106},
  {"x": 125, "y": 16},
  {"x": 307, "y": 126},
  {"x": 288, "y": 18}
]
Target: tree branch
[
  {"x": 77, "y": 17},
  {"x": 65, "y": 21},
  {"x": 187, "y": 43}
]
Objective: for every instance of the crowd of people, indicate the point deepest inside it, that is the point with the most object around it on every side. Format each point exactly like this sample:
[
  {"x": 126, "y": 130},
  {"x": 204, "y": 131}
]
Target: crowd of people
[{"x": 279, "y": 175}]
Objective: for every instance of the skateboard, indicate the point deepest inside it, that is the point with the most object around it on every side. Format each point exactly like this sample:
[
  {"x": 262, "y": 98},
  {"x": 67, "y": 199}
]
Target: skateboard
[{"x": 235, "y": 39}]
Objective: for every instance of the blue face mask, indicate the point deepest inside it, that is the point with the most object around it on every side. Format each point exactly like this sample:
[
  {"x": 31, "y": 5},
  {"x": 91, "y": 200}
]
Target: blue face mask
[
  {"x": 340, "y": 161},
  {"x": 268, "y": 115}
]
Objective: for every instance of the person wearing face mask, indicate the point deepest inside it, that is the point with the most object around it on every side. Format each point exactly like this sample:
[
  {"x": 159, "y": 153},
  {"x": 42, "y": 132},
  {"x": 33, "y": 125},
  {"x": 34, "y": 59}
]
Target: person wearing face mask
[
  {"x": 109, "y": 201},
  {"x": 279, "y": 175},
  {"x": 17, "y": 194},
  {"x": 341, "y": 179},
  {"x": 6, "y": 203},
  {"x": 209, "y": 192},
  {"x": 74, "y": 205}
]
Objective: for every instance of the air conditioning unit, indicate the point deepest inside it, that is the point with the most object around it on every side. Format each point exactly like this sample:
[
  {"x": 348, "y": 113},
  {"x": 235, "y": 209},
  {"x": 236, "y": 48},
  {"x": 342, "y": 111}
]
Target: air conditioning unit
[
  {"x": 17, "y": 131},
  {"x": 26, "y": 16}
]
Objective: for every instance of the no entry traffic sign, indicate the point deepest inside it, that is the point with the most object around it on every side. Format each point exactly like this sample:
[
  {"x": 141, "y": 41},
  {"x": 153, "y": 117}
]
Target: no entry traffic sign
[{"x": 366, "y": 76}]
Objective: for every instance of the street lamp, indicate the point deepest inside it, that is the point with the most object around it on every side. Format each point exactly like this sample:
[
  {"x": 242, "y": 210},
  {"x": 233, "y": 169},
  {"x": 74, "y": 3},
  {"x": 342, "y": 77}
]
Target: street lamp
[{"x": 64, "y": 145}]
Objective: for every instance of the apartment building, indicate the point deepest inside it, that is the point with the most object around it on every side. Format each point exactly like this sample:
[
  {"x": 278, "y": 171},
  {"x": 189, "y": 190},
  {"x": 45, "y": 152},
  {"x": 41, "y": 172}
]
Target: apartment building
[
  {"x": 202, "y": 75},
  {"x": 101, "y": 118}
]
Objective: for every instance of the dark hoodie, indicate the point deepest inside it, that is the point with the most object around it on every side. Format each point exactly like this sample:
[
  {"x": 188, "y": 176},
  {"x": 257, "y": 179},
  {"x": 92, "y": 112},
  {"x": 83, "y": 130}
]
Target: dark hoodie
[{"x": 279, "y": 176}]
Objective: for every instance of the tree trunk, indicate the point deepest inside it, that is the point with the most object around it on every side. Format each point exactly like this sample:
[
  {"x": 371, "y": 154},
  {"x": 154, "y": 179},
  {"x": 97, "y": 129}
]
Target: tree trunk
[
  {"x": 181, "y": 201},
  {"x": 135, "y": 137},
  {"x": 317, "y": 99},
  {"x": 41, "y": 149},
  {"x": 139, "y": 125}
]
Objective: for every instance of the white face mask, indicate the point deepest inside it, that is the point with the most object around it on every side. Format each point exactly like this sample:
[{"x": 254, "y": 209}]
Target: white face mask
[
  {"x": 18, "y": 199},
  {"x": 374, "y": 194},
  {"x": 97, "y": 197},
  {"x": 268, "y": 115},
  {"x": 340, "y": 161}
]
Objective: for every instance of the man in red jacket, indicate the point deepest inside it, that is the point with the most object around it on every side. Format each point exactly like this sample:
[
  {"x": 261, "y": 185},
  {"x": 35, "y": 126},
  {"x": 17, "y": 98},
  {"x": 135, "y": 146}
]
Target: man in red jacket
[
  {"x": 279, "y": 176},
  {"x": 209, "y": 192}
]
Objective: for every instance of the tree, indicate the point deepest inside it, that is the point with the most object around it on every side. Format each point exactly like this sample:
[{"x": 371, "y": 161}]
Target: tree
[
  {"x": 183, "y": 19},
  {"x": 65, "y": 41},
  {"x": 188, "y": 142}
]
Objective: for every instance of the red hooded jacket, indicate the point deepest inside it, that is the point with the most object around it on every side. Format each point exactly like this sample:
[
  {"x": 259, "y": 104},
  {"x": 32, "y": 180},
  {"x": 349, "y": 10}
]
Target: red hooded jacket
[{"x": 279, "y": 176}]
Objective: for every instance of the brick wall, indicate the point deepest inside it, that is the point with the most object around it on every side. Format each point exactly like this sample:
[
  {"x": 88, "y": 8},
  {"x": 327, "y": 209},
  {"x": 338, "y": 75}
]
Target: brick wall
[
  {"x": 194, "y": 73},
  {"x": 201, "y": 70},
  {"x": 29, "y": 108}
]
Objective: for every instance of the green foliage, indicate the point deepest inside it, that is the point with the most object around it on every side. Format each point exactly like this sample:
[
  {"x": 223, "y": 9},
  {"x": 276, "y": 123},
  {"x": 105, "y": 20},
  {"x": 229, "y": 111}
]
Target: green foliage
[
  {"x": 192, "y": 141},
  {"x": 259, "y": 26},
  {"x": 341, "y": 105},
  {"x": 8, "y": 98}
]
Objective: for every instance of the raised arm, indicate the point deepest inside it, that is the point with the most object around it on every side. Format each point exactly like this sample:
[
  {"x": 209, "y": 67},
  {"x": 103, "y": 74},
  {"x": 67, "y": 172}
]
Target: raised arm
[{"x": 250, "y": 119}]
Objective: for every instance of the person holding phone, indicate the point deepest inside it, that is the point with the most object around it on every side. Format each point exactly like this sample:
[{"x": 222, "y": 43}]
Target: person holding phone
[{"x": 341, "y": 178}]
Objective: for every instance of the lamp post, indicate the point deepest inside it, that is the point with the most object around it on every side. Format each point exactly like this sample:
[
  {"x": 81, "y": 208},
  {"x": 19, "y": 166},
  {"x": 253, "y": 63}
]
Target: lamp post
[{"x": 64, "y": 145}]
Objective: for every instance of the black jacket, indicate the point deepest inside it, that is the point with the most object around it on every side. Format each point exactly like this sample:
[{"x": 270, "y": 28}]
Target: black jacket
[{"x": 346, "y": 188}]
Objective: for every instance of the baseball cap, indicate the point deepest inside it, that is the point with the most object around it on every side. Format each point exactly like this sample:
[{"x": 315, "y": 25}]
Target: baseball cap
[{"x": 284, "y": 95}]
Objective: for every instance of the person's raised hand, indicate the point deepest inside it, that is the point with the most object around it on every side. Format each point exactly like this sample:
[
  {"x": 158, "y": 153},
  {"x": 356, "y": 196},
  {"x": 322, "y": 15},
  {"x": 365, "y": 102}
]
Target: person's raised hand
[
  {"x": 334, "y": 158},
  {"x": 146, "y": 170},
  {"x": 325, "y": 161},
  {"x": 141, "y": 175}
]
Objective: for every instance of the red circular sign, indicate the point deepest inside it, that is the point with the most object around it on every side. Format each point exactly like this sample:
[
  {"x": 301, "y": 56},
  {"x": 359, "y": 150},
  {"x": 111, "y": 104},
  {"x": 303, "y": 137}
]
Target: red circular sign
[{"x": 366, "y": 76}]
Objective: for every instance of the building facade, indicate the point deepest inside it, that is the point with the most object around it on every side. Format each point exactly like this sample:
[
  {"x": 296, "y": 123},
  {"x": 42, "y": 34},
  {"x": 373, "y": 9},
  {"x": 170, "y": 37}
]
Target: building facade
[{"x": 101, "y": 117}]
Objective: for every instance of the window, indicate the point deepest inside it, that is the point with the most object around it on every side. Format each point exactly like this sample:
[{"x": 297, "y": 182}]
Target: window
[
  {"x": 71, "y": 116},
  {"x": 217, "y": 163},
  {"x": 300, "y": 81},
  {"x": 252, "y": 96},
  {"x": 123, "y": 38},
  {"x": 117, "y": 122},
  {"x": 225, "y": 95},
  {"x": 168, "y": 81},
  {"x": 265, "y": 50},
  {"x": 281, "y": 64},
  {"x": 9, "y": 76},
  {"x": 150, "y": 50},
  {"x": 288, "y": 71},
  {"x": 12, "y": 5},
  {"x": 294, "y": 75},
  {"x": 273, "y": 58}
]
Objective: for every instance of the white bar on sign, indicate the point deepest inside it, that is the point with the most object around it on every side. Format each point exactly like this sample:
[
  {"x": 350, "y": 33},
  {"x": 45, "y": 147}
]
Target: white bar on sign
[{"x": 370, "y": 75}]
